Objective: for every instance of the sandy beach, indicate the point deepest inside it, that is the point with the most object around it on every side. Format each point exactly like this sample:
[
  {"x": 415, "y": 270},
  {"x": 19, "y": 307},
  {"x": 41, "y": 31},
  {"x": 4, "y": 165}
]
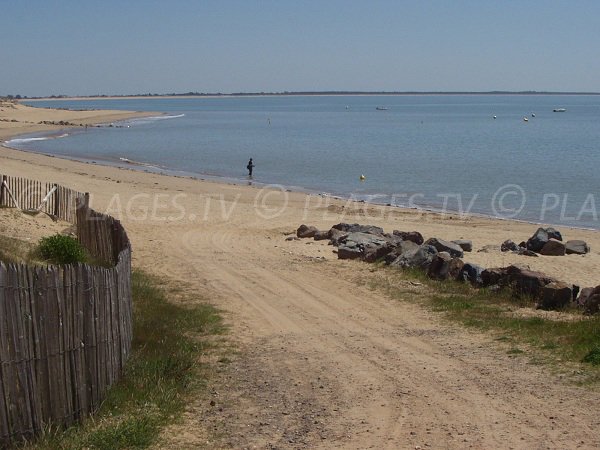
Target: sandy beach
[{"x": 325, "y": 362}]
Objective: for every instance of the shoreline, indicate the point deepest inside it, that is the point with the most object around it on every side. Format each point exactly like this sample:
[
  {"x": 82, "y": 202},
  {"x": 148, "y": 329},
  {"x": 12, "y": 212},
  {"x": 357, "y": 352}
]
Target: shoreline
[{"x": 100, "y": 117}]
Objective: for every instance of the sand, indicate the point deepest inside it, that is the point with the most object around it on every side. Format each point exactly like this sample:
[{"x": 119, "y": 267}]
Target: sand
[{"x": 325, "y": 361}]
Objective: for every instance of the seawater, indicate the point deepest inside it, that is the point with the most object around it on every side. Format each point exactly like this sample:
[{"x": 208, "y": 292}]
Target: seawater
[{"x": 472, "y": 154}]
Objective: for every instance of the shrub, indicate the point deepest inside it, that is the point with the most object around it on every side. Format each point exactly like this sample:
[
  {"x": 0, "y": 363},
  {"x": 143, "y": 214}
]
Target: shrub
[{"x": 61, "y": 249}]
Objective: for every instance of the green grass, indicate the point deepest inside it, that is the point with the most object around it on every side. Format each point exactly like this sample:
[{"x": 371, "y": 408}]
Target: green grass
[
  {"x": 574, "y": 338},
  {"x": 162, "y": 373}
]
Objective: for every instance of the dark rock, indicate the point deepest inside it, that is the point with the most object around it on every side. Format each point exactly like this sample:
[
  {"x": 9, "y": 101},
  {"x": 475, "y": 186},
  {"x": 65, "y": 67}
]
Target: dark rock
[
  {"x": 400, "y": 249},
  {"x": 445, "y": 246},
  {"x": 440, "y": 263},
  {"x": 509, "y": 246},
  {"x": 522, "y": 280},
  {"x": 575, "y": 292},
  {"x": 553, "y": 248},
  {"x": 523, "y": 244},
  {"x": 456, "y": 265},
  {"x": 471, "y": 273},
  {"x": 577, "y": 247},
  {"x": 541, "y": 237},
  {"x": 305, "y": 231},
  {"x": 336, "y": 236},
  {"x": 524, "y": 252},
  {"x": 465, "y": 244},
  {"x": 589, "y": 300},
  {"x": 413, "y": 236},
  {"x": 368, "y": 247},
  {"x": 357, "y": 228},
  {"x": 494, "y": 275},
  {"x": 420, "y": 257},
  {"x": 556, "y": 295},
  {"x": 322, "y": 235},
  {"x": 527, "y": 282}
]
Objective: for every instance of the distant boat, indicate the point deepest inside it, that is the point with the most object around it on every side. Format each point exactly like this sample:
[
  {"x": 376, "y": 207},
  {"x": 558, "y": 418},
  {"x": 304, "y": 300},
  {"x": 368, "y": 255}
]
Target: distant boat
[
  {"x": 381, "y": 108},
  {"x": 559, "y": 110},
  {"x": 525, "y": 119}
]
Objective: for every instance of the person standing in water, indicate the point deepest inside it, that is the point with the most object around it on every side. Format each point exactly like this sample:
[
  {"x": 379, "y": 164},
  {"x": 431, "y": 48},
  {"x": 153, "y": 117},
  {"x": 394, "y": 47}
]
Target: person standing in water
[{"x": 250, "y": 166}]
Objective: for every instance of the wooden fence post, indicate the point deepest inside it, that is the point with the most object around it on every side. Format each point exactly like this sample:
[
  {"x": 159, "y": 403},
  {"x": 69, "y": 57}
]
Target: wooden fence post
[
  {"x": 56, "y": 201},
  {"x": 2, "y": 188}
]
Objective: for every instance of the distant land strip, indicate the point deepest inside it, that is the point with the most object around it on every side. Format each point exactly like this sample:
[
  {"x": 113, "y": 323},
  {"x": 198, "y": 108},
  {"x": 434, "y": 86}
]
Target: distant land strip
[{"x": 299, "y": 93}]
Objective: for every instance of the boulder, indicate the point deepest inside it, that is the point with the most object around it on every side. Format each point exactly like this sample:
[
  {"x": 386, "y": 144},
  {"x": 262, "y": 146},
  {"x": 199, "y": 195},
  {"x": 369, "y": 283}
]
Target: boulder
[
  {"x": 456, "y": 265},
  {"x": 420, "y": 257},
  {"x": 589, "y": 300},
  {"x": 527, "y": 282},
  {"x": 541, "y": 237},
  {"x": 368, "y": 247},
  {"x": 400, "y": 249},
  {"x": 465, "y": 244},
  {"x": 553, "y": 247},
  {"x": 556, "y": 295},
  {"x": 521, "y": 279},
  {"x": 413, "y": 236},
  {"x": 440, "y": 264},
  {"x": 336, "y": 236},
  {"x": 357, "y": 228},
  {"x": 577, "y": 247},
  {"x": 305, "y": 231},
  {"x": 471, "y": 273},
  {"x": 322, "y": 235},
  {"x": 494, "y": 276},
  {"x": 524, "y": 252},
  {"x": 509, "y": 246},
  {"x": 445, "y": 246}
]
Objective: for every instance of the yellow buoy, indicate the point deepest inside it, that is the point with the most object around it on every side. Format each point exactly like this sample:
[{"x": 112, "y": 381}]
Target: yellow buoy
[{"x": 362, "y": 178}]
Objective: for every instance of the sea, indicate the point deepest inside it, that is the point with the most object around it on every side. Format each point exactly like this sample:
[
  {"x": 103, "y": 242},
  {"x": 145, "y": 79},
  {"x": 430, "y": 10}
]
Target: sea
[{"x": 505, "y": 156}]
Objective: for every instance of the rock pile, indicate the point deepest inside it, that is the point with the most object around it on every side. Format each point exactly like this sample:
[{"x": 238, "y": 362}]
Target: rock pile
[{"x": 442, "y": 260}]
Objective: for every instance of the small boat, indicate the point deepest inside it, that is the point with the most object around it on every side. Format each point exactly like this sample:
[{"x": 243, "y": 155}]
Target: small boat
[
  {"x": 525, "y": 119},
  {"x": 559, "y": 110},
  {"x": 381, "y": 108}
]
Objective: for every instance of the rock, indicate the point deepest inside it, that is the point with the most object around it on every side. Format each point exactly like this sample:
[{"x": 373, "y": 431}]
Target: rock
[
  {"x": 456, "y": 265},
  {"x": 471, "y": 273},
  {"x": 322, "y": 235},
  {"x": 400, "y": 249},
  {"x": 305, "y": 231},
  {"x": 440, "y": 264},
  {"x": 524, "y": 252},
  {"x": 527, "y": 282},
  {"x": 509, "y": 246},
  {"x": 577, "y": 247},
  {"x": 553, "y": 248},
  {"x": 413, "y": 236},
  {"x": 336, "y": 236},
  {"x": 368, "y": 247},
  {"x": 494, "y": 276},
  {"x": 556, "y": 295},
  {"x": 357, "y": 228},
  {"x": 589, "y": 300},
  {"x": 420, "y": 257},
  {"x": 541, "y": 237},
  {"x": 465, "y": 244},
  {"x": 445, "y": 246}
]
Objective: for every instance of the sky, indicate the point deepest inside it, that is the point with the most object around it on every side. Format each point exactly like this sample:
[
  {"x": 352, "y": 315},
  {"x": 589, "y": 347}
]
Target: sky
[{"x": 118, "y": 47}]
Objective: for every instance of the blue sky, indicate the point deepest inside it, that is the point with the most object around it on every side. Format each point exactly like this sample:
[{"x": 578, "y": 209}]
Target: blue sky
[{"x": 80, "y": 47}]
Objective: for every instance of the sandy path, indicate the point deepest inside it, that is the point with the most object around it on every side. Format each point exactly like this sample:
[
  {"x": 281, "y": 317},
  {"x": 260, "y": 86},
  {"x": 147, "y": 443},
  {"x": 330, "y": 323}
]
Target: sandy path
[{"x": 324, "y": 361}]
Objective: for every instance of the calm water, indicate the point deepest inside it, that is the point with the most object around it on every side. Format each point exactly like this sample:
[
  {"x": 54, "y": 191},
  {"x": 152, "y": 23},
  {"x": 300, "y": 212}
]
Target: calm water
[{"x": 432, "y": 151}]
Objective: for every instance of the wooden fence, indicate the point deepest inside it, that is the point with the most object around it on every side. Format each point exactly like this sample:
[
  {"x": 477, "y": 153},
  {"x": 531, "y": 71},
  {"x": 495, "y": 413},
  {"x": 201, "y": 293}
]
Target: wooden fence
[{"x": 65, "y": 331}]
